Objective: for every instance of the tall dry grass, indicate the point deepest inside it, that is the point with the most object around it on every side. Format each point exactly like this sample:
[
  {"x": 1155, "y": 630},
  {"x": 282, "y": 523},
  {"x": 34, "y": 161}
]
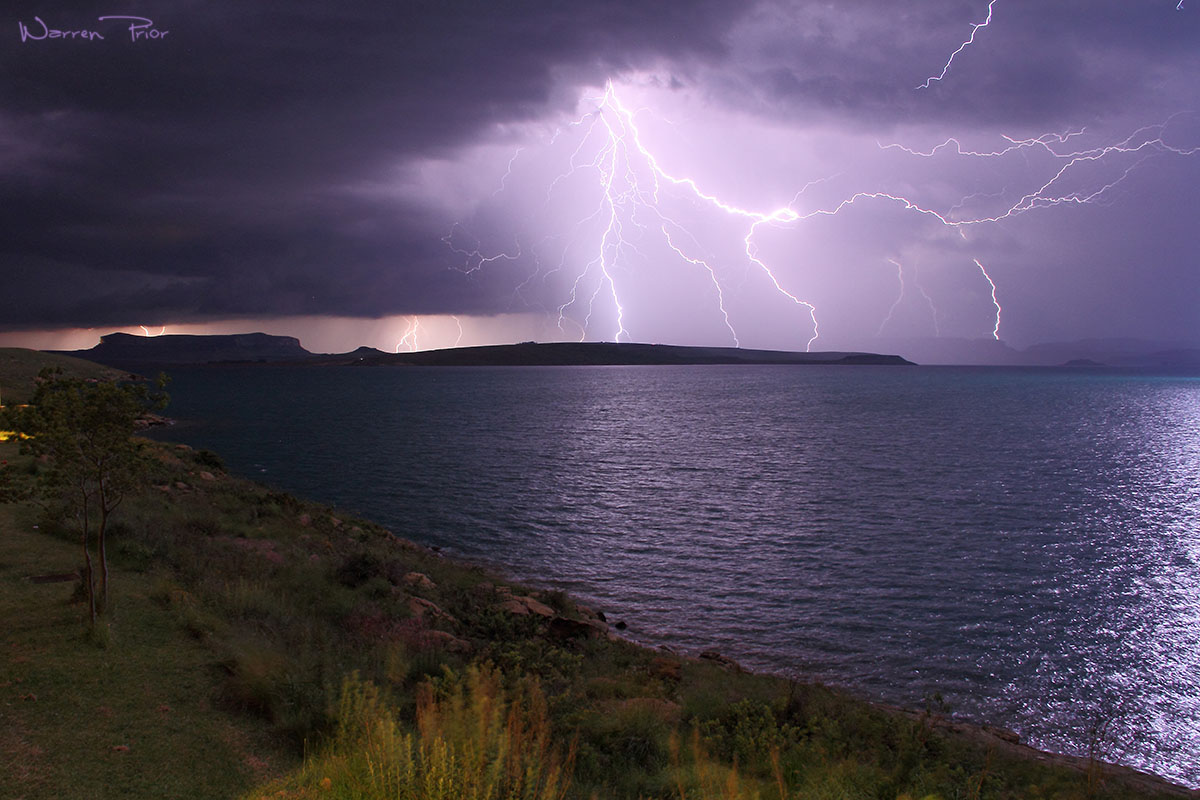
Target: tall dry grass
[{"x": 474, "y": 739}]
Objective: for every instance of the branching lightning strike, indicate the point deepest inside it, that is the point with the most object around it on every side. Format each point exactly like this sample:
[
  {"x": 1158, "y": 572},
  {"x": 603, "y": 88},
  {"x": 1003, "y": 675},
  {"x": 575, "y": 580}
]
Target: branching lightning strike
[
  {"x": 409, "y": 340},
  {"x": 633, "y": 184}
]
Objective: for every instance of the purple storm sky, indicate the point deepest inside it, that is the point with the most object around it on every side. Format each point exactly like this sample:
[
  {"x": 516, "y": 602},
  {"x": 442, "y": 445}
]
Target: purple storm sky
[{"x": 769, "y": 174}]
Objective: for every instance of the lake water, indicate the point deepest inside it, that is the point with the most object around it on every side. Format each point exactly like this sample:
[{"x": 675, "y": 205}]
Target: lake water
[{"x": 1024, "y": 542}]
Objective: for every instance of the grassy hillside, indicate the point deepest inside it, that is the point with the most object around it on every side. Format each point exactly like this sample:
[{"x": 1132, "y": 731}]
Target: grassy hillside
[
  {"x": 262, "y": 645},
  {"x": 18, "y": 368}
]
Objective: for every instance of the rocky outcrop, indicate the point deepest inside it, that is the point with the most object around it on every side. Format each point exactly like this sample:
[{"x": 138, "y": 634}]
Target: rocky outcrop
[
  {"x": 135, "y": 352},
  {"x": 524, "y": 606}
]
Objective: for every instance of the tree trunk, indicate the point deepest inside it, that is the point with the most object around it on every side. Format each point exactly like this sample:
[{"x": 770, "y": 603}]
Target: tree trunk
[
  {"x": 100, "y": 547},
  {"x": 89, "y": 585}
]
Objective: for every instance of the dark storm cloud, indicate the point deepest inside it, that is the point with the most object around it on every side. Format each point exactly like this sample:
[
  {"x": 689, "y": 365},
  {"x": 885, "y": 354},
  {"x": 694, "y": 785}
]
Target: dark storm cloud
[
  {"x": 209, "y": 156},
  {"x": 1036, "y": 63},
  {"x": 205, "y": 174}
]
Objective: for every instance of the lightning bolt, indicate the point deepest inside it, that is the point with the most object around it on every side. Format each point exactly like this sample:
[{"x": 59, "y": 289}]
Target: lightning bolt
[
  {"x": 409, "y": 339},
  {"x": 629, "y": 207},
  {"x": 146, "y": 331},
  {"x": 975, "y": 28},
  {"x": 995, "y": 302},
  {"x": 473, "y": 258},
  {"x": 634, "y": 194},
  {"x": 459, "y": 338},
  {"x": 508, "y": 172},
  {"x": 899, "y": 297},
  {"x": 937, "y": 329}
]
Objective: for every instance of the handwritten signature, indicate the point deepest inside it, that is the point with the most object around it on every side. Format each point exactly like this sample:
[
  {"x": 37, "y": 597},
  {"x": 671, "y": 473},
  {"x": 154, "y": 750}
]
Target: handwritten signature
[{"x": 140, "y": 29}]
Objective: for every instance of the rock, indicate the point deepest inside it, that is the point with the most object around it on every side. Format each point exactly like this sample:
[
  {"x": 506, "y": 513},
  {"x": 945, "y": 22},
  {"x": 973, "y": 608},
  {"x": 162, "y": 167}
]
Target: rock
[
  {"x": 181, "y": 485},
  {"x": 422, "y": 608},
  {"x": 305, "y": 519},
  {"x": 515, "y": 606},
  {"x": 335, "y": 522},
  {"x": 1004, "y": 734},
  {"x": 208, "y": 476},
  {"x": 182, "y": 447},
  {"x": 566, "y": 628},
  {"x": 536, "y": 606},
  {"x": 524, "y": 605},
  {"x": 723, "y": 661},
  {"x": 590, "y": 612},
  {"x": 620, "y": 625},
  {"x": 419, "y": 580}
]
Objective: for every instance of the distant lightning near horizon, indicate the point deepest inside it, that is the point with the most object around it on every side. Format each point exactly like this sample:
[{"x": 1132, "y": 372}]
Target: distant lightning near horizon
[
  {"x": 409, "y": 339},
  {"x": 900, "y": 298},
  {"x": 995, "y": 302}
]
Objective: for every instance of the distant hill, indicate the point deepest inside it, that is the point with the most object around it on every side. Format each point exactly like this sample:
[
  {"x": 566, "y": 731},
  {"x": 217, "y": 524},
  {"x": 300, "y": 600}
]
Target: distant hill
[
  {"x": 146, "y": 352},
  {"x": 1110, "y": 352},
  {"x": 125, "y": 351},
  {"x": 1116, "y": 353},
  {"x": 18, "y": 368},
  {"x": 599, "y": 354}
]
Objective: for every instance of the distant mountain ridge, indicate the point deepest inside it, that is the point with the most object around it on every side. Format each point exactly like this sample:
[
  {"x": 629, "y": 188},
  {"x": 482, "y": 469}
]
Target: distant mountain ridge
[
  {"x": 125, "y": 351},
  {"x": 1111, "y": 352},
  {"x": 613, "y": 354},
  {"x": 141, "y": 352}
]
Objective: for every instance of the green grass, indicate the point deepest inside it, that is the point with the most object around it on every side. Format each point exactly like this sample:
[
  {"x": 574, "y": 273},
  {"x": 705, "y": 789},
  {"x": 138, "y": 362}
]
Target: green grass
[
  {"x": 126, "y": 713},
  {"x": 18, "y": 368}
]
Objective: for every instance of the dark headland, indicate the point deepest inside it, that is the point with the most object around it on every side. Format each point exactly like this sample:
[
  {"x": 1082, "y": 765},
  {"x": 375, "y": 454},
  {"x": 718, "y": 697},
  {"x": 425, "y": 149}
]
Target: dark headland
[{"x": 134, "y": 353}]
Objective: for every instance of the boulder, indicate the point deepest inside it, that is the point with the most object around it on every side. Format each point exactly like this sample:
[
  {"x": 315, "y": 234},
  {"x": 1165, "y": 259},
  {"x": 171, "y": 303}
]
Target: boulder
[
  {"x": 523, "y": 606},
  {"x": 419, "y": 580},
  {"x": 567, "y": 628},
  {"x": 723, "y": 661},
  {"x": 426, "y": 609}
]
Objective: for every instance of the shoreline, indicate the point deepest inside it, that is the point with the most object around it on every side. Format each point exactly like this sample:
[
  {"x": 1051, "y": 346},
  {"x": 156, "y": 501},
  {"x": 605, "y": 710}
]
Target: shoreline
[
  {"x": 991, "y": 736},
  {"x": 250, "y": 549}
]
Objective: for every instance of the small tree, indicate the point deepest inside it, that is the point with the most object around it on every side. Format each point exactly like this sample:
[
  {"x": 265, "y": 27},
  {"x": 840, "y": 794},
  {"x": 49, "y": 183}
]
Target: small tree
[{"x": 85, "y": 428}]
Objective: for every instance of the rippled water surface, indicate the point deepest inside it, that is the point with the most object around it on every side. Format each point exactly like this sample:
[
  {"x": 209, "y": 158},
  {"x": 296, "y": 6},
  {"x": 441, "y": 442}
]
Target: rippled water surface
[{"x": 1025, "y": 542}]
